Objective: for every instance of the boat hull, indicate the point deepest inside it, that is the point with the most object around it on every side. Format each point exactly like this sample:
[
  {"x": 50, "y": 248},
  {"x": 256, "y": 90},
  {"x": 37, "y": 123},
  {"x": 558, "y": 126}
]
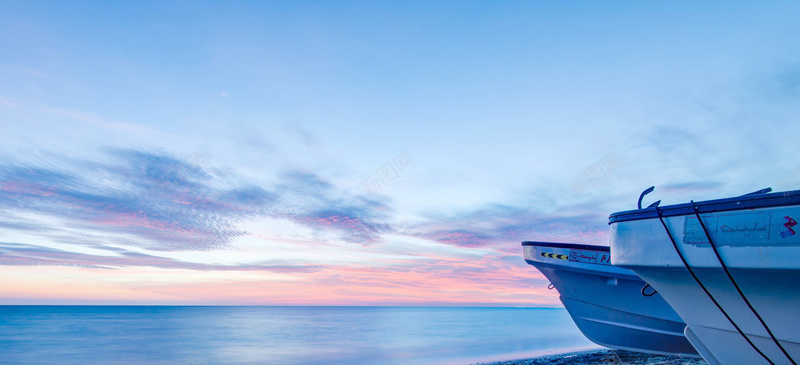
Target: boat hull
[
  {"x": 606, "y": 302},
  {"x": 761, "y": 260}
]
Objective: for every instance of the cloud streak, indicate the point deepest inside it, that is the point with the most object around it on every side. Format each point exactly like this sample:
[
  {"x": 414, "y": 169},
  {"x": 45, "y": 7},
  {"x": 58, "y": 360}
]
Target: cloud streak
[
  {"x": 20, "y": 254},
  {"x": 168, "y": 203},
  {"x": 308, "y": 200},
  {"x": 502, "y": 225}
]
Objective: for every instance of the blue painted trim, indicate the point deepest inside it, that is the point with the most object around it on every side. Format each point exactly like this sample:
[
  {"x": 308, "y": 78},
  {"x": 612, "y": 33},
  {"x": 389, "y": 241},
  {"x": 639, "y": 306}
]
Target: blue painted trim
[
  {"x": 574, "y": 246},
  {"x": 712, "y": 206}
]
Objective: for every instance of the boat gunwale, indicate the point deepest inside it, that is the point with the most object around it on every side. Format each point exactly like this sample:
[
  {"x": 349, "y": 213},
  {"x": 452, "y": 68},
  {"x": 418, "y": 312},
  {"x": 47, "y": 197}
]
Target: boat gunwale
[
  {"x": 745, "y": 202},
  {"x": 576, "y": 246}
]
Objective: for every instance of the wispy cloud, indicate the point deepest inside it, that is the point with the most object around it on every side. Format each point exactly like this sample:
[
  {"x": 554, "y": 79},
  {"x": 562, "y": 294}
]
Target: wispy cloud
[
  {"x": 497, "y": 225},
  {"x": 137, "y": 193},
  {"x": 97, "y": 121},
  {"x": 20, "y": 254},
  {"x": 308, "y": 200},
  {"x": 171, "y": 203}
]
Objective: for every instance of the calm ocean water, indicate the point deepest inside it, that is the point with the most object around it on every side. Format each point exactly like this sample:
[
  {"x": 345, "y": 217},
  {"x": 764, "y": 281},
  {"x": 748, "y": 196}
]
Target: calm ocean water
[{"x": 280, "y": 335}]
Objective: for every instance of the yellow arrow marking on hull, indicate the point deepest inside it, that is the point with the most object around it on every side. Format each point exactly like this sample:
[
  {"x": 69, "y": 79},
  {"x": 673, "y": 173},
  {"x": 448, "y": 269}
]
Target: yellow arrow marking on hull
[{"x": 554, "y": 256}]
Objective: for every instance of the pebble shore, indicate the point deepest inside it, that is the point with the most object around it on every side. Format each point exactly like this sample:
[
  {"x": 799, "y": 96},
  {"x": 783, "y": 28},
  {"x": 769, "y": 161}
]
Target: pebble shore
[{"x": 604, "y": 357}]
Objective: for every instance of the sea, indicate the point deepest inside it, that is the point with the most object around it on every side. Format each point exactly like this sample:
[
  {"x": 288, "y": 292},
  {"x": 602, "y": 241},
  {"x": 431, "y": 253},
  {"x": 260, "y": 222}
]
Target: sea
[{"x": 196, "y": 335}]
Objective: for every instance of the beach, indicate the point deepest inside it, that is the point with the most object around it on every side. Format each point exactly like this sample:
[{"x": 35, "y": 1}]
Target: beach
[{"x": 617, "y": 357}]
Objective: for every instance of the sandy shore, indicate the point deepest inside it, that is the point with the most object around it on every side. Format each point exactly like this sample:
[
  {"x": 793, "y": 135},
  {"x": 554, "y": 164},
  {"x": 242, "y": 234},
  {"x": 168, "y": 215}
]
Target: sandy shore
[{"x": 606, "y": 357}]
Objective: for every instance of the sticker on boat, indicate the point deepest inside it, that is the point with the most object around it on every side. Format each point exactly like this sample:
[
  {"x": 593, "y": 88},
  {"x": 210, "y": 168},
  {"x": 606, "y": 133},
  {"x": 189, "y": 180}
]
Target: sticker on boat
[
  {"x": 585, "y": 256},
  {"x": 790, "y": 222},
  {"x": 744, "y": 229},
  {"x": 589, "y": 256}
]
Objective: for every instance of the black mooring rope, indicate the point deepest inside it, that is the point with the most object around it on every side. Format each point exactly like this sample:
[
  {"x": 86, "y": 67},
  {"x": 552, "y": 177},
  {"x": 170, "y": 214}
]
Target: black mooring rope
[
  {"x": 686, "y": 264},
  {"x": 738, "y": 289}
]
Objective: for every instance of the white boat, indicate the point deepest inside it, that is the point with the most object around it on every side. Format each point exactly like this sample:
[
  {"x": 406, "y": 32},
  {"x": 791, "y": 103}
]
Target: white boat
[
  {"x": 610, "y": 305},
  {"x": 729, "y": 267}
]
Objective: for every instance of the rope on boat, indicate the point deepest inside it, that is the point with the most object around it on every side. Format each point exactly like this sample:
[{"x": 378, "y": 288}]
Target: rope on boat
[
  {"x": 696, "y": 279},
  {"x": 736, "y": 285}
]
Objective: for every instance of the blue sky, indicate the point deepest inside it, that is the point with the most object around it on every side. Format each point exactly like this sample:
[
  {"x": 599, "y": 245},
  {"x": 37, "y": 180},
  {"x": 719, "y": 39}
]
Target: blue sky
[{"x": 228, "y": 143}]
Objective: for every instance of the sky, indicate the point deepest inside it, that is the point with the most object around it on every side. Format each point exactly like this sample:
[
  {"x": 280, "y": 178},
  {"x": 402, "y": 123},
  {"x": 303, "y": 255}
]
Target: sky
[{"x": 367, "y": 153}]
